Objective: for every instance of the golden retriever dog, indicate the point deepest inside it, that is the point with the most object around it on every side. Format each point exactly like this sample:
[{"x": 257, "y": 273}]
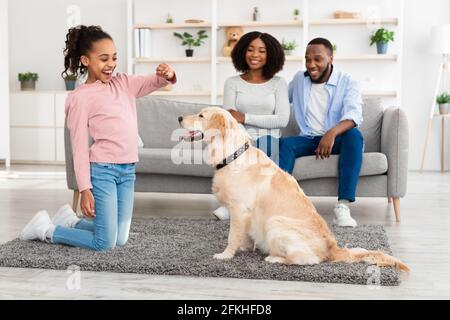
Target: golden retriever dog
[{"x": 268, "y": 209}]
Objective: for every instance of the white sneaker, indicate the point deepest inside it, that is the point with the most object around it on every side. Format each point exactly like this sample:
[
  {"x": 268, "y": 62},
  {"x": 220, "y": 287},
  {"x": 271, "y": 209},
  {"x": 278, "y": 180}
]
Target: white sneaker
[
  {"x": 37, "y": 227},
  {"x": 343, "y": 217},
  {"x": 221, "y": 213},
  {"x": 65, "y": 217}
]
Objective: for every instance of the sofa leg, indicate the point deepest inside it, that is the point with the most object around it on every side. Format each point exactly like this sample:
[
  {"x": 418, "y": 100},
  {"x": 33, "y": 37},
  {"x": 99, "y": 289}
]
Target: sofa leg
[
  {"x": 76, "y": 198},
  {"x": 397, "y": 208},
  {"x": 389, "y": 199}
]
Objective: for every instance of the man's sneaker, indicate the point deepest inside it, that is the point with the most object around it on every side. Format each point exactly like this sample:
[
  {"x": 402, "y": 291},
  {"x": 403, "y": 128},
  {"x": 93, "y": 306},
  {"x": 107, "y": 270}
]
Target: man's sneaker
[
  {"x": 37, "y": 227},
  {"x": 221, "y": 213},
  {"x": 343, "y": 217},
  {"x": 65, "y": 217}
]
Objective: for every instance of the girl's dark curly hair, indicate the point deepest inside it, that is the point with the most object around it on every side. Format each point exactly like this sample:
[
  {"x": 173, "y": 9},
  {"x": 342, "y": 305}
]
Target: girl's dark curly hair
[
  {"x": 275, "y": 53},
  {"x": 79, "y": 42}
]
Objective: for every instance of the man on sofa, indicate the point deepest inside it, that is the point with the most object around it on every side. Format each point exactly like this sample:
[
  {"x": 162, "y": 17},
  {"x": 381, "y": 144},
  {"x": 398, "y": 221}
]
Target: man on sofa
[{"x": 328, "y": 109}]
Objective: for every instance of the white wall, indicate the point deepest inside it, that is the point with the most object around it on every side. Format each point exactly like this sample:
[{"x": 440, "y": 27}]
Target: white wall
[
  {"x": 4, "y": 89},
  {"x": 37, "y": 31},
  {"x": 420, "y": 70}
]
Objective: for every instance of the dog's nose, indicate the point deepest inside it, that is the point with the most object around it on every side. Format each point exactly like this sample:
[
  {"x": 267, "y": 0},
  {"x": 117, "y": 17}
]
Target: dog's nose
[{"x": 180, "y": 118}]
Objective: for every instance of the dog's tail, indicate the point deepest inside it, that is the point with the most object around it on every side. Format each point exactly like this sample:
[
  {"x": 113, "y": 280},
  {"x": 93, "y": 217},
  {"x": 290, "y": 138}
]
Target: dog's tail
[{"x": 379, "y": 258}]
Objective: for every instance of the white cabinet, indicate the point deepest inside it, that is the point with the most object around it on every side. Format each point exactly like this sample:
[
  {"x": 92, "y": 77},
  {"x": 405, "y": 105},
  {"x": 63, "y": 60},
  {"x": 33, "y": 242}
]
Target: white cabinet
[
  {"x": 37, "y": 126},
  {"x": 32, "y": 144}
]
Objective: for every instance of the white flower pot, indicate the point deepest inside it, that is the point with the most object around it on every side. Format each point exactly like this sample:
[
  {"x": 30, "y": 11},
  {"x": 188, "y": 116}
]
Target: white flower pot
[{"x": 444, "y": 108}]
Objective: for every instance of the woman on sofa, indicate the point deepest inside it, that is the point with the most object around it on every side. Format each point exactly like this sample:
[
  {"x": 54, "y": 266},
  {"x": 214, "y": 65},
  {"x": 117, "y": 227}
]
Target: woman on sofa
[{"x": 257, "y": 98}]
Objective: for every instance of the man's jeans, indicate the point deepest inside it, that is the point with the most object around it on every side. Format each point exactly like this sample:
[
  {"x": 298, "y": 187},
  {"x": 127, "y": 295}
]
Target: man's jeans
[
  {"x": 349, "y": 146},
  {"x": 113, "y": 190}
]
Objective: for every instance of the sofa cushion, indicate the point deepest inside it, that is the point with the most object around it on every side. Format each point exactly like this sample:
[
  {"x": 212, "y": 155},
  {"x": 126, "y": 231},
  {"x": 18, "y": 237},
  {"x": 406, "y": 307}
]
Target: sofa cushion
[
  {"x": 305, "y": 168},
  {"x": 189, "y": 163},
  {"x": 371, "y": 125},
  {"x": 158, "y": 120},
  {"x": 173, "y": 161}
]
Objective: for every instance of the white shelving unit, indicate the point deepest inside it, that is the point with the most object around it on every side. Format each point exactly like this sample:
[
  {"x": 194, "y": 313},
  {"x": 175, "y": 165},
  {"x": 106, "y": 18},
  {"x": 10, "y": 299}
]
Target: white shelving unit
[
  {"x": 37, "y": 127},
  {"x": 219, "y": 67}
]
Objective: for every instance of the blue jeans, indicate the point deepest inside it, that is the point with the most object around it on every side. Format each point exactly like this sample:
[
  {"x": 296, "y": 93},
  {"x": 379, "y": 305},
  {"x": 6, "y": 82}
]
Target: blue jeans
[
  {"x": 113, "y": 190},
  {"x": 270, "y": 146},
  {"x": 348, "y": 145}
]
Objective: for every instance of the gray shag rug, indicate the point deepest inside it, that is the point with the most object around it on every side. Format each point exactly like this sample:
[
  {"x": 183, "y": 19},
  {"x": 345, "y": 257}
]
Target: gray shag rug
[{"x": 185, "y": 246}]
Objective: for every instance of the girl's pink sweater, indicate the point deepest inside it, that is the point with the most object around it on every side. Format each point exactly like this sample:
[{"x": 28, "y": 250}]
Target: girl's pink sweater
[{"x": 107, "y": 113}]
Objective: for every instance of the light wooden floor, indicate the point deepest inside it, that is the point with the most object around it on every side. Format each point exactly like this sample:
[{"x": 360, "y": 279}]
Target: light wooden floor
[{"x": 422, "y": 240}]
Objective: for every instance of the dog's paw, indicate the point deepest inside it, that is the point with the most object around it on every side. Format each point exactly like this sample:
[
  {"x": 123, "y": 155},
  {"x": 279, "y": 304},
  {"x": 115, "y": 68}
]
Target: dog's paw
[
  {"x": 224, "y": 255},
  {"x": 273, "y": 259}
]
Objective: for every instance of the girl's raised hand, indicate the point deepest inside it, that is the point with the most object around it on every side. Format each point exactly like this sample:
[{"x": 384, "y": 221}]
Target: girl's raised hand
[{"x": 164, "y": 70}]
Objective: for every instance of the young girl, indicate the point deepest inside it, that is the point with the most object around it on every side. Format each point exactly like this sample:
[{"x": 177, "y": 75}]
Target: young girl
[
  {"x": 104, "y": 107},
  {"x": 257, "y": 98}
]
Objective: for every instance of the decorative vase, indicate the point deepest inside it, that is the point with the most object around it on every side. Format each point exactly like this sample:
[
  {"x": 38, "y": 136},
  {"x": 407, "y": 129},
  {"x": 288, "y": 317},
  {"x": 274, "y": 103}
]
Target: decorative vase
[
  {"x": 189, "y": 52},
  {"x": 256, "y": 14},
  {"x": 70, "y": 84},
  {"x": 28, "y": 85},
  {"x": 288, "y": 52},
  {"x": 444, "y": 108},
  {"x": 382, "y": 47}
]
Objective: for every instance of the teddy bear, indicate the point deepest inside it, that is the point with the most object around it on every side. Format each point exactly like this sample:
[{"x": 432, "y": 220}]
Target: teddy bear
[{"x": 232, "y": 34}]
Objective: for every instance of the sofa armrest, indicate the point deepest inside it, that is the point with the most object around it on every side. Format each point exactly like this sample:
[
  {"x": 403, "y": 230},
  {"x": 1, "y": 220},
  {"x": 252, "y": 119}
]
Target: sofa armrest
[{"x": 395, "y": 145}]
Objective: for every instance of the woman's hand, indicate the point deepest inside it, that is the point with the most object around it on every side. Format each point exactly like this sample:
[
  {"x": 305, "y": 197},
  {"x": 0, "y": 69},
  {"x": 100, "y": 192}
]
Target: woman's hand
[
  {"x": 239, "y": 116},
  {"x": 87, "y": 204},
  {"x": 165, "y": 71}
]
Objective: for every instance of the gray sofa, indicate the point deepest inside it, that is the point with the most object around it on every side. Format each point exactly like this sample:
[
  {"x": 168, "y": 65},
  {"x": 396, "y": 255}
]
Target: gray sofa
[{"x": 383, "y": 172}]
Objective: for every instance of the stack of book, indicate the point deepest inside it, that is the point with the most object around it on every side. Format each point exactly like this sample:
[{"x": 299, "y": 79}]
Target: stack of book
[{"x": 142, "y": 43}]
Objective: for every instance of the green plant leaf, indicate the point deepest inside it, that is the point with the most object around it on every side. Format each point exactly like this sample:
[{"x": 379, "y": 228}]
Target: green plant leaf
[
  {"x": 28, "y": 76},
  {"x": 381, "y": 35},
  {"x": 443, "y": 98},
  {"x": 189, "y": 40}
]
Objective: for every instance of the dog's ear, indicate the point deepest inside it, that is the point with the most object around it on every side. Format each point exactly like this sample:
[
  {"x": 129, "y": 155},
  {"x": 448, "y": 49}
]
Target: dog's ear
[{"x": 217, "y": 122}]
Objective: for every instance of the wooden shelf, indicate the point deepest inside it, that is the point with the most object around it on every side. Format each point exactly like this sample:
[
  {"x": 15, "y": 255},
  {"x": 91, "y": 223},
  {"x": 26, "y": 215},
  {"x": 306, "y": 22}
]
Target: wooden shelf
[
  {"x": 392, "y": 57},
  {"x": 288, "y": 58},
  {"x": 287, "y": 23},
  {"x": 360, "y": 57},
  {"x": 40, "y": 91},
  {"x": 181, "y": 93},
  {"x": 365, "y": 93},
  {"x": 441, "y": 115},
  {"x": 173, "y": 60},
  {"x": 319, "y": 22},
  {"x": 292, "y": 23},
  {"x": 172, "y": 25},
  {"x": 379, "y": 93}
]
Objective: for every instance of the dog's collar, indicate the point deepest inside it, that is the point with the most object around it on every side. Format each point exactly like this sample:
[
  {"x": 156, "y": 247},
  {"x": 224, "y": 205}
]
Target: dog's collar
[{"x": 234, "y": 156}]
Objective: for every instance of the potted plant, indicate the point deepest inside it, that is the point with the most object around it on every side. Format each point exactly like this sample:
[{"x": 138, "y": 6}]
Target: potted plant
[
  {"x": 334, "y": 47},
  {"x": 382, "y": 37},
  {"x": 288, "y": 46},
  {"x": 189, "y": 40},
  {"x": 70, "y": 81},
  {"x": 28, "y": 81},
  {"x": 296, "y": 14},
  {"x": 443, "y": 101},
  {"x": 169, "y": 18}
]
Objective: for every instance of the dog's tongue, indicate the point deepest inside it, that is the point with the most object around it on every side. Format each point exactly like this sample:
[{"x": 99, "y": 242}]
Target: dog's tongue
[{"x": 192, "y": 136}]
